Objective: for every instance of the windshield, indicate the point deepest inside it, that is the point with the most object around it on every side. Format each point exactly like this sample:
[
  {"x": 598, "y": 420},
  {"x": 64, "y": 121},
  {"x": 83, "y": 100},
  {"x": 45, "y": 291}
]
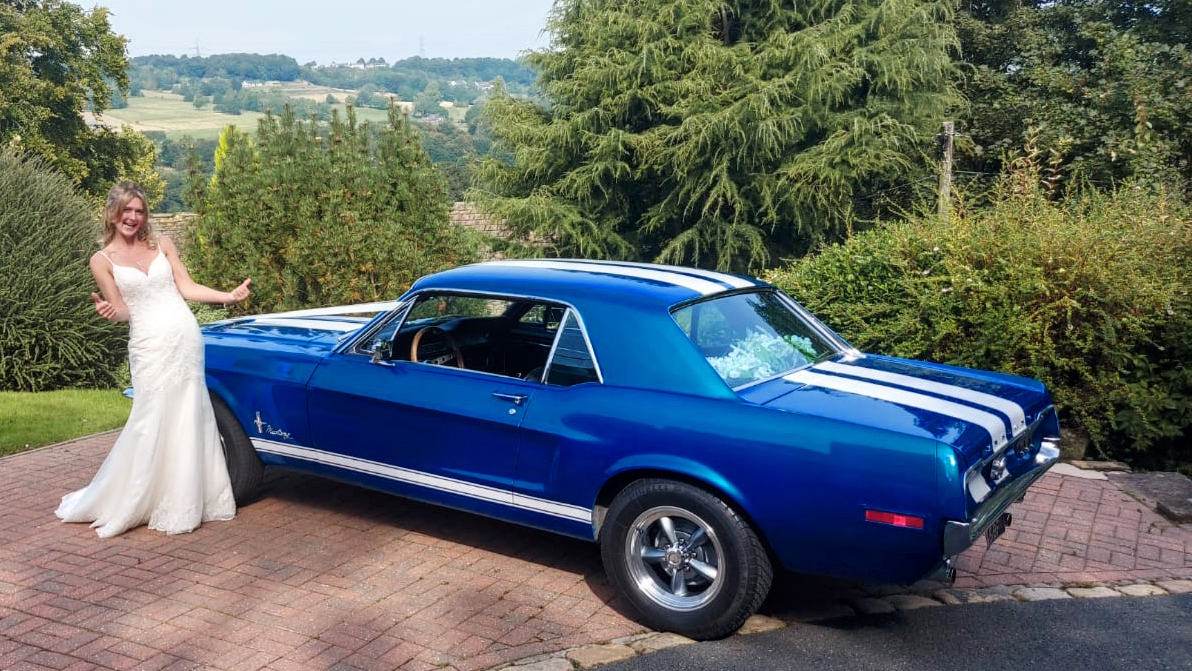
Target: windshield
[{"x": 751, "y": 337}]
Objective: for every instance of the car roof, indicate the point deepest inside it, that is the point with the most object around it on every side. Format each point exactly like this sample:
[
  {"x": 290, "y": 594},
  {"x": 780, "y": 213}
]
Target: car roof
[{"x": 577, "y": 280}]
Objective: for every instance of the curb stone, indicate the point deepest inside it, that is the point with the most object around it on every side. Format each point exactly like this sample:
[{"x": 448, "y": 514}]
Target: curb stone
[
  {"x": 589, "y": 656},
  {"x": 1092, "y": 592},
  {"x": 1142, "y": 590},
  {"x": 594, "y": 655},
  {"x": 1040, "y": 593},
  {"x": 1175, "y": 586}
]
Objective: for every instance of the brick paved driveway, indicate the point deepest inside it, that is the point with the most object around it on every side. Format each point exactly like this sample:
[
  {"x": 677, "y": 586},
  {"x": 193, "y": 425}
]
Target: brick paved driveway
[{"x": 318, "y": 575}]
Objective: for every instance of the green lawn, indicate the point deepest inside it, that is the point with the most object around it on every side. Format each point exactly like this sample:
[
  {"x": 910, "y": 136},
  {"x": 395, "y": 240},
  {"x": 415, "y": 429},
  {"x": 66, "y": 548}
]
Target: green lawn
[{"x": 29, "y": 420}]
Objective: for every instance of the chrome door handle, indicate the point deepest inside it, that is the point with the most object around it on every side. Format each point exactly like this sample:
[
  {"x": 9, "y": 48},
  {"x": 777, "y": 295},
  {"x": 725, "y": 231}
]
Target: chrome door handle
[{"x": 515, "y": 399}]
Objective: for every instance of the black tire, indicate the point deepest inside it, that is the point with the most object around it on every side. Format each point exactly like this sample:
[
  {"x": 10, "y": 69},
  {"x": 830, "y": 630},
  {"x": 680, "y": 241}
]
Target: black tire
[
  {"x": 685, "y": 560},
  {"x": 245, "y": 468}
]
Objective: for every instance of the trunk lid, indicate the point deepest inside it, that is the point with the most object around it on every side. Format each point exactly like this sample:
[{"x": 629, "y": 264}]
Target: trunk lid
[{"x": 976, "y": 412}]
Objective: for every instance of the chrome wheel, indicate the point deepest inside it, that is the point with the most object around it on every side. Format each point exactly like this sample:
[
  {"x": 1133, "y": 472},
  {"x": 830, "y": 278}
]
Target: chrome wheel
[
  {"x": 674, "y": 558},
  {"x": 683, "y": 558}
]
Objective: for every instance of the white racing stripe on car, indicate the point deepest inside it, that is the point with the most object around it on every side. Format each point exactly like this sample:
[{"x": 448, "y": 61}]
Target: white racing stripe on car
[
  {"x": 316, "y": 324},
  {"x": 1003, "y": 405},
  {"x": 696, "y": 284},
  {"x": 357, "y": 308},
  {"x": 334, "y": 311},
  {"x": 724, "y": 278},
  {"x": 989, "y": 421},
  {"x": 451, "y": 485}
]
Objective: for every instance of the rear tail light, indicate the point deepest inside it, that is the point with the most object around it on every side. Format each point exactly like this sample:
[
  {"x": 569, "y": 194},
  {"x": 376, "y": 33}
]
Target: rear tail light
[{"x": 894, "y": 519}]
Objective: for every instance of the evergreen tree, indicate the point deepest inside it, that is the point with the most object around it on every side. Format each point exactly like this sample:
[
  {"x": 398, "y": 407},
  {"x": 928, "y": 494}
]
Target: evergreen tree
[
  {"x": 315, "y": 218},
  {"x": 715, "y": 132}
]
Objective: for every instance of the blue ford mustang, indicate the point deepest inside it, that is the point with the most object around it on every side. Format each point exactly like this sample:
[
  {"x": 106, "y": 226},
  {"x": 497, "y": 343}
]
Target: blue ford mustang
[{"x": 702, "y": 427}]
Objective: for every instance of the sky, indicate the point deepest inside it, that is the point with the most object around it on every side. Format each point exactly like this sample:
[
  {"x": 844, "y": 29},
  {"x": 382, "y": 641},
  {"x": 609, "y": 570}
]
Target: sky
[{"x": 327, "y": 31}]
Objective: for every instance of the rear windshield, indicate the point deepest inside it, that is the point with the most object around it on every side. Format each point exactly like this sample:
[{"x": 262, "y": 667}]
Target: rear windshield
[{"x": 751, "y": 337}]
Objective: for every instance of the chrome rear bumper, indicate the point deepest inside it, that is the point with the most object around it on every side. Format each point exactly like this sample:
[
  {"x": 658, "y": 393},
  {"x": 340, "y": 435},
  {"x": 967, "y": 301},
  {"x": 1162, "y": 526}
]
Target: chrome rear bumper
[{"x": 958, "y": 536}]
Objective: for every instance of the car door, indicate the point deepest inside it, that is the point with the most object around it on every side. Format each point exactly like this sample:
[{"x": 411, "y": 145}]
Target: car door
[{"x": 435, "y": 432}]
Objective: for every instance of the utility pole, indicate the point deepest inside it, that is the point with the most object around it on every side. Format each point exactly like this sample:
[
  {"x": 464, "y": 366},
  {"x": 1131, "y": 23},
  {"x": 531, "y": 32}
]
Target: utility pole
[{"x": 945, "y": 195}]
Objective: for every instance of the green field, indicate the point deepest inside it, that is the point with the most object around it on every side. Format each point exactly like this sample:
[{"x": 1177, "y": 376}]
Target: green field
[{"x": 169, "y": 113}]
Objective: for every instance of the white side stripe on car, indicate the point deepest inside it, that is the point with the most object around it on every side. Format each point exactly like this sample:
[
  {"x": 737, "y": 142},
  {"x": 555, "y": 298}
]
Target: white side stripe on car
[
  {"x": 451, "y": 485},
  {"x": 989, "y": 421},
  {"x": 1003, "y": 405}
]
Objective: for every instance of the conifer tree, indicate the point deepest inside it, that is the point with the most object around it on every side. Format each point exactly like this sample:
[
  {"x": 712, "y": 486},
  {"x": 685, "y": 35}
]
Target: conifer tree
[
  {"x": 718, "y": 132},
  {"x": 322, "y": 216}
]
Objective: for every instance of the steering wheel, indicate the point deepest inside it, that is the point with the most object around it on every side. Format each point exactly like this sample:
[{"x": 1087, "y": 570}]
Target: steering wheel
[{"x": 442, "y": 360}]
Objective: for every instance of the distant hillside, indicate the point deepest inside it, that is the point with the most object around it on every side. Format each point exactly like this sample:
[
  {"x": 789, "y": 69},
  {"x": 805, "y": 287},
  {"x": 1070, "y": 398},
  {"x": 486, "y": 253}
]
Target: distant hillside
[
  {"x": 461, "y": 80},
  {"x": 184, "y": 103}
]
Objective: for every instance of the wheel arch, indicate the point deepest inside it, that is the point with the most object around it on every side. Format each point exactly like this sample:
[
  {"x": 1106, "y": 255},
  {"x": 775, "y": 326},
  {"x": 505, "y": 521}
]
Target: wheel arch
[
  {"x": 618, "y": 482},
  {"x": 220, "y": 392}
]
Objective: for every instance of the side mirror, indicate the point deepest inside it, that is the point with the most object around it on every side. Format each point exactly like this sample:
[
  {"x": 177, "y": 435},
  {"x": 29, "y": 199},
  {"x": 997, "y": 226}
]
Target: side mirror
[{"x": 381, "y": 351}]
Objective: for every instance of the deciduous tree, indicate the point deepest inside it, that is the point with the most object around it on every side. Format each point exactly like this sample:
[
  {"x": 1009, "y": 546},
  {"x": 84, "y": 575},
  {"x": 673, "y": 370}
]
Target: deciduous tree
[
  {"x": 1104, "y": 87},
  {"x": 56, "y": 61}
]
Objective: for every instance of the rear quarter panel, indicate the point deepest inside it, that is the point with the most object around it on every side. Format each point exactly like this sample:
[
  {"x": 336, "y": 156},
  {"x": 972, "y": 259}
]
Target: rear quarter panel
[{"x": 804, "y": 481}]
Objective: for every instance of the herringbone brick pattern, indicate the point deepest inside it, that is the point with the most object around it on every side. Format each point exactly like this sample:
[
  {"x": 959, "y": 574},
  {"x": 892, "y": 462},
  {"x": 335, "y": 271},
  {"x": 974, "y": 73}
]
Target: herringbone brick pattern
[{"x": 320, "y": 575}]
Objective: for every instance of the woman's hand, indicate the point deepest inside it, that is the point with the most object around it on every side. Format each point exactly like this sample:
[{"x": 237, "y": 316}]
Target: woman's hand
[
  {"x": 241, "y": 292},
  {"x": 104, "y": 308}
]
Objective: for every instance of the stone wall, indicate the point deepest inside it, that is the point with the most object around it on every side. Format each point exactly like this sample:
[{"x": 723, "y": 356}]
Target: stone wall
[
  {"x": 466, "y": 214},
  {"x": 176, "y": 225}
]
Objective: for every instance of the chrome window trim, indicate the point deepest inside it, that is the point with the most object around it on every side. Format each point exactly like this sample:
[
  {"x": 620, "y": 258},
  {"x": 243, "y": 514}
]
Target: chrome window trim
[
  {"x": 842, "y": 346},
  {"x": 365, "y": 334},
  {"x": 583, "y": 330},
  {"x": 401, "y": 312}
]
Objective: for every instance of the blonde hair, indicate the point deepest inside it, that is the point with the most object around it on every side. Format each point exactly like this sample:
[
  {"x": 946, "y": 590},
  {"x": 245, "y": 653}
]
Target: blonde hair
[{"x": 119, "y": 196}]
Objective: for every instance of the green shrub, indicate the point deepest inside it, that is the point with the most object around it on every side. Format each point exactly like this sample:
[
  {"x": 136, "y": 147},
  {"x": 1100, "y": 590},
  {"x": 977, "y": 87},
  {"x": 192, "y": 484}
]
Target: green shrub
[
  {"x": 1091, "y": 296},
  {"x": 50, "y": 335}
]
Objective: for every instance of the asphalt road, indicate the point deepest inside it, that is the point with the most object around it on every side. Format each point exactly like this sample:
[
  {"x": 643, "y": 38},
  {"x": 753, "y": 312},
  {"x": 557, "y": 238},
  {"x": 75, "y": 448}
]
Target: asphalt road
[{"x": 1122, "y": 633}]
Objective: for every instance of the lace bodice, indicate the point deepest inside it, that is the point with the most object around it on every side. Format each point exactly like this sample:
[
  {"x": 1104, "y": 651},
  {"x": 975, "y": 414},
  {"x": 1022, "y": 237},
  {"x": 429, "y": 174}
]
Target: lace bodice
[{"x": 164, "y": 342}]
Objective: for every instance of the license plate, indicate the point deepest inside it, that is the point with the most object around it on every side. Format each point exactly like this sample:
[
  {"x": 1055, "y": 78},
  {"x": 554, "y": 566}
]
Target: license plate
[{"x": 995, "y": 530}]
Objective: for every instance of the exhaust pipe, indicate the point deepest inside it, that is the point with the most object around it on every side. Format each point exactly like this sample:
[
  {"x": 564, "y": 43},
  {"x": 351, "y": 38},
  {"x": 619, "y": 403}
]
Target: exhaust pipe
[{"x": 945, "y": 573}]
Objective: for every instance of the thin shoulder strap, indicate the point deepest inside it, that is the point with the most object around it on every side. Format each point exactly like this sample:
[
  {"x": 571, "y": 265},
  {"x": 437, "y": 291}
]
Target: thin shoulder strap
[{"x": 101, "y": 253}]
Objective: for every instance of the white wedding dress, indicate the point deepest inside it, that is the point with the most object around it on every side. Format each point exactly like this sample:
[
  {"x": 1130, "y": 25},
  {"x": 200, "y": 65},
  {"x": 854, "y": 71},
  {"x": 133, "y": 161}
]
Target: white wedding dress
[{"x": 167, "y": 467}]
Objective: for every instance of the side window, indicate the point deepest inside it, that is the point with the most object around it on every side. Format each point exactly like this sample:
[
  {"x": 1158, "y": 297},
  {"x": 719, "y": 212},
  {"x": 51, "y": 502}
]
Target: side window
[
  {"x": 382, "y": 334},
  {"x": 546, "y": 316},
  {"x": 572, "y": 362},
  {"x": 440, "y": 308}
]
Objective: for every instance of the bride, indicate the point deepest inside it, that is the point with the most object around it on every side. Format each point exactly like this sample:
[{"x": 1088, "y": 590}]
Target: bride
[{"x": 167, "y": 467}]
